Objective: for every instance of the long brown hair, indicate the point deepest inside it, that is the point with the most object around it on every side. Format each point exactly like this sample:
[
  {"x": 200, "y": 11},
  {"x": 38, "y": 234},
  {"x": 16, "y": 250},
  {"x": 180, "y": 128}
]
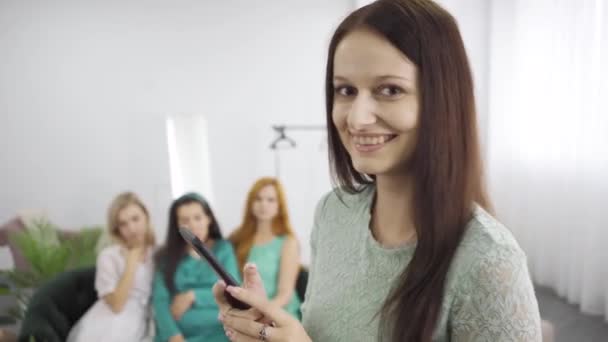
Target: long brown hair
[
  {"x": 446, "y": 163},
  {"x": 243, "y": 236},
  {"x": 175, "y": 247},
  {"x": 120, "y": 202}
]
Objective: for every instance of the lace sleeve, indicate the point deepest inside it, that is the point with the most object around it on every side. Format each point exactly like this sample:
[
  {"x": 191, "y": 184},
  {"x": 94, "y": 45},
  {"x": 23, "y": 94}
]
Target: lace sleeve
[{"x": 496, "y": 301}]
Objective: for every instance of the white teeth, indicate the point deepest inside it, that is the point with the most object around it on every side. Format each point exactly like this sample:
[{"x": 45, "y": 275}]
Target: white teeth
[{"x": 378, "y": 140}]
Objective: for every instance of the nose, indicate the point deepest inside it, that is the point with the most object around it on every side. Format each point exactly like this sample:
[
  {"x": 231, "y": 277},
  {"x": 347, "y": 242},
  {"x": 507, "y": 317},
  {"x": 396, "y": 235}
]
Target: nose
[{"x": 362, "y": 112}]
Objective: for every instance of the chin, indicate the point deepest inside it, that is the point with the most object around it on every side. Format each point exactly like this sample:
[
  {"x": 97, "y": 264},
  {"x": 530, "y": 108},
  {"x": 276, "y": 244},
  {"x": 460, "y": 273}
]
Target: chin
[{"x": 368, "y": 167}]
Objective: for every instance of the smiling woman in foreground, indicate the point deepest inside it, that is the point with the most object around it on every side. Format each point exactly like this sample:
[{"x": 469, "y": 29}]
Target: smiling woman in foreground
[{"x": 406, "y": 249}]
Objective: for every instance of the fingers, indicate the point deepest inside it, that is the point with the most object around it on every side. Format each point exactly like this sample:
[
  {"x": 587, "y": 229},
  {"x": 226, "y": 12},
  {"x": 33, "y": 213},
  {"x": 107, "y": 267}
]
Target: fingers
[
  {"x": 262, "y": 304},
  {"x": 252, "y": 279},
  {"x": 236, "y": 336},
  {"x": 244, "y": 326},
  {"x": 218, "y": 294},
  {"x": 251, "y": 314}
]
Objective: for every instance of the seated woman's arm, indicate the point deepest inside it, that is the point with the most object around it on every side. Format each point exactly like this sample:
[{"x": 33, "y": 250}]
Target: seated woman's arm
[
  {"x": 112, "y": 286},
  {"x": 288, "y": 273},
  {"x": 166, "y": 327}
]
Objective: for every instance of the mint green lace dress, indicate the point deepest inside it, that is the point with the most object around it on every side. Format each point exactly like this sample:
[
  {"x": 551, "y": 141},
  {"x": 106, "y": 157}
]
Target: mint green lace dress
[
  {"x": 267, "y": 257},
  {"x": 488, "y": 294}
]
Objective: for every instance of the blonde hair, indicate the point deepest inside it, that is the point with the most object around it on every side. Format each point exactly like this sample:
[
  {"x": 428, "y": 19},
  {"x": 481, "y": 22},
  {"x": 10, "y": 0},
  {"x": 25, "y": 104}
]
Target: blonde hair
[
  {"x": 243, "y": 236},
  {"x": 119, "y": 203}
]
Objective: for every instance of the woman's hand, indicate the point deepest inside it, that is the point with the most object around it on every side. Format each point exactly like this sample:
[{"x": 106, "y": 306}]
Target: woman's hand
[
  {"x": 181, "y": 303},
  {"x": 251, "y": 281},
  {"x": 284, "y": 327},
  {"x": 247, "y": 325},
  {"x": 135, "y": 255},
  {"x": 177, "y": 338}
]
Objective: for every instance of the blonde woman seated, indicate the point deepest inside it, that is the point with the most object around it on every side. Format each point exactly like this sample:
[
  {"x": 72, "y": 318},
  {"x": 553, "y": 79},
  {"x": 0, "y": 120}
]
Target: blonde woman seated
[
  {"x": 266, "y": 239},
  {"x": 123, "y": 277}
]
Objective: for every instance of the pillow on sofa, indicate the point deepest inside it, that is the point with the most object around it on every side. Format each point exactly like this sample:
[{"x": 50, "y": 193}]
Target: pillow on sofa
[{"x": 13, "y": 226}]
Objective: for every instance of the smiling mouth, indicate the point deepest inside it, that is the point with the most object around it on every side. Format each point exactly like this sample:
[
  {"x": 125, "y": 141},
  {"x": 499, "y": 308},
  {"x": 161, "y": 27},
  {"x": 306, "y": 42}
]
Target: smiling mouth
[{"x": 371, "y": 143}]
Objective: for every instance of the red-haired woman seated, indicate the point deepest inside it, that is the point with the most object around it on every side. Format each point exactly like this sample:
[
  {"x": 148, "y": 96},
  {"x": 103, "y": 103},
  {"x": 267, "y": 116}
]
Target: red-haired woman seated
[{"x": 265, "y": 239}]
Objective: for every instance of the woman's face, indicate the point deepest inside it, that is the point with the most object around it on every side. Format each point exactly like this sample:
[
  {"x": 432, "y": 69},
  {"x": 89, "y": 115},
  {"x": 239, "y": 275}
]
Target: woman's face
[
  {"x": 193, "y": 217},
  {"x": 133, "y": 225},
  {"x": 266, "y": 204},
  {"x": 376, "y": 108}
]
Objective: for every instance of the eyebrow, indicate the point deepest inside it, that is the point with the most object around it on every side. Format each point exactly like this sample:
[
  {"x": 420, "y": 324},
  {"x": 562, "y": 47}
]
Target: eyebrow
[{"x": 382, "y": 77}]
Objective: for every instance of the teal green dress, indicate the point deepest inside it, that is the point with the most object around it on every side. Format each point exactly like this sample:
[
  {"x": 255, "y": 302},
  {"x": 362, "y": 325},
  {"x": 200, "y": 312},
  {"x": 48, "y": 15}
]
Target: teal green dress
[
  {"x": 267, "y": 258},
  {"x": 200, "y": 323}
]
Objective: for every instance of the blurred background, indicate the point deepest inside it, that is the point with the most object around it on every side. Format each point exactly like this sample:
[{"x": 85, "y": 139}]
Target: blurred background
[{"x": 163, "y": 97}]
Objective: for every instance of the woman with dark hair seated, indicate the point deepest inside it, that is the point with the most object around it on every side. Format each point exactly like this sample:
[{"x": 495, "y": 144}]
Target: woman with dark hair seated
[{"x": 182, "y": 297}]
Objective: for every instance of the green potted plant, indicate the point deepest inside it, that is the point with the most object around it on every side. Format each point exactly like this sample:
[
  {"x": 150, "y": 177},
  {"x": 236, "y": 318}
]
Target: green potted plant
[{"x": 48, "y": 254}]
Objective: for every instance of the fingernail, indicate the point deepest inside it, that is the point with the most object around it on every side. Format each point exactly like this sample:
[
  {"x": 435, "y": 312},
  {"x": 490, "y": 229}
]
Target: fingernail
[
  {"x": 250, "y": 266},
  {"x": 222, "y": 283},
  {"x": 229, "y": 333},
  {"x": 220, "y": 317}
]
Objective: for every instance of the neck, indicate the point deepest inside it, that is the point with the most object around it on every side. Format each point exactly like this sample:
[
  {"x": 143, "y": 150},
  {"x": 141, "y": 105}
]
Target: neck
[
  {"x": 392, "y": 221},
  {"x": 264, "y": 227}
]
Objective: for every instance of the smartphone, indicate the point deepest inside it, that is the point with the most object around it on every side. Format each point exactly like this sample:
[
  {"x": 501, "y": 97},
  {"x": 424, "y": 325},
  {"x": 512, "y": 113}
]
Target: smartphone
[{"x": 204, "y": 252}]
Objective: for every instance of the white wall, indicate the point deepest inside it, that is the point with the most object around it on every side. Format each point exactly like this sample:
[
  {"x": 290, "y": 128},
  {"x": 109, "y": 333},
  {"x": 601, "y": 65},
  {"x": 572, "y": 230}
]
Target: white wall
[{"x": 86, "y": 86}]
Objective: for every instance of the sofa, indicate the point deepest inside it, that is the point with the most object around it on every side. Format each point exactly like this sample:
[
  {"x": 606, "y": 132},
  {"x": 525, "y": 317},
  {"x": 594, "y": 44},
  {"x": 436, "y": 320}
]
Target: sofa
[{"x": 57, "y": 305}]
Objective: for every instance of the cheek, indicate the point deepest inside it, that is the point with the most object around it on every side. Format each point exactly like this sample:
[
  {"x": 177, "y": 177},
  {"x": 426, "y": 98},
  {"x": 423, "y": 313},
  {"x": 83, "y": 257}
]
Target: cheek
[
  {"x": 121, "y": 232},
  {"x": 402, "y": 117},
  {"x": 201, "y": 229},
  {"x": 339, "y": 119},
  {"x": 142, "y": 225},
  {"x": 339, "y": 115},
  {"x": 274, "y": 207},
  {"x": 206, "y": 224},
  {"x": 255, "y": 206}
]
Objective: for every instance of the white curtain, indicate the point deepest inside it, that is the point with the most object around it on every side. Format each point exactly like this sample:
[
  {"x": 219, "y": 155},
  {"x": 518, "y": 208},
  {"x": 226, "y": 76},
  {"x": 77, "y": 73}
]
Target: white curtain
[{"x": 548, "y": 140}]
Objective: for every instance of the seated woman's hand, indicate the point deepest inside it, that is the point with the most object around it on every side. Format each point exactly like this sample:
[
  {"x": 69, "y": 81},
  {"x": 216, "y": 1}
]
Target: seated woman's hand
[
  {"x": 177, "y": 338},
  {"x": 181, "y": 303},
  {"x": 239, "y": 328}
]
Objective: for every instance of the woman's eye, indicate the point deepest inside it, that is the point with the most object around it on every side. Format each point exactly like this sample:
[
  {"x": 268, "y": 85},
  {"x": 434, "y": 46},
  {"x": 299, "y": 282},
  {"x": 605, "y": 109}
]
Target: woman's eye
[
  {"x": 390, "y": 91},
  {"x": 345, "y": 90}
]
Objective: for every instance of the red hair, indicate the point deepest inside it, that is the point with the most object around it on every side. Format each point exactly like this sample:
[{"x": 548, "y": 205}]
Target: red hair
[{"x": 243, "y": 236}]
